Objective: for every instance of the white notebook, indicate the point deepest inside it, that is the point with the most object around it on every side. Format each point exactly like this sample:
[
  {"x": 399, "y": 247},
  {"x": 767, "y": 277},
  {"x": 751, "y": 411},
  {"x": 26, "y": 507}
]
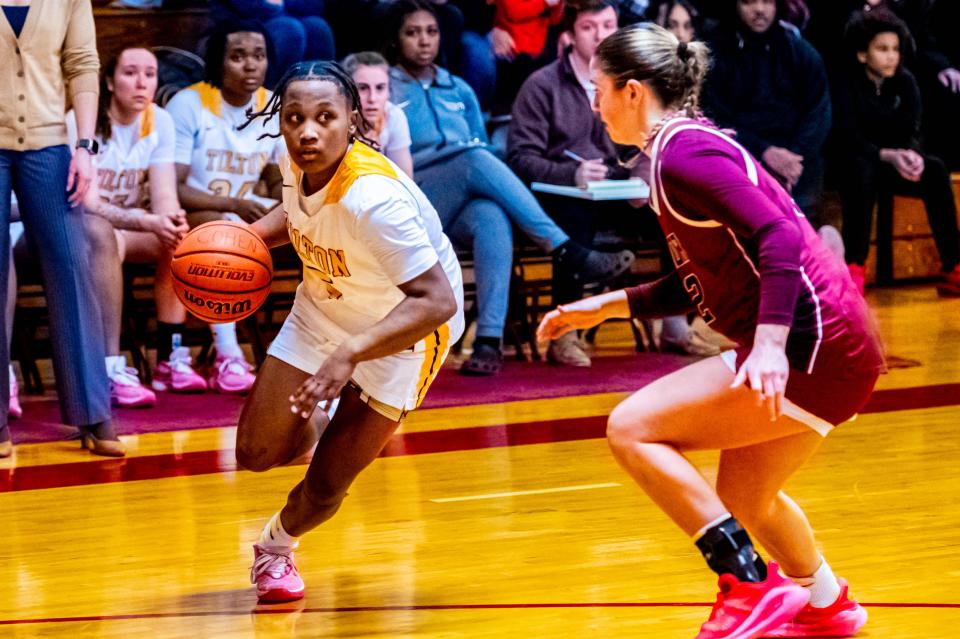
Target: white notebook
[{"x": 632, "y": 189}]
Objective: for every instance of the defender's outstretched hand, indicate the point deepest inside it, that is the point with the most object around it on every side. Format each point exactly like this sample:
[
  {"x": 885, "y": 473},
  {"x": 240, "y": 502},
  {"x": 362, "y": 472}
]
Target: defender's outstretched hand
[{"x": 585, "y": 313}]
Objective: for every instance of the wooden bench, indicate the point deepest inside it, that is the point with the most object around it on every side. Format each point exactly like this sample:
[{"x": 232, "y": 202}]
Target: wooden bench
[{"x": 902, "y": 244}]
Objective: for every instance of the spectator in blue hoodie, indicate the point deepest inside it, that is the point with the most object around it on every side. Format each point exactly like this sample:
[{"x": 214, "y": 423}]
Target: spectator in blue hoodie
[{"x": 478, "y": 197}]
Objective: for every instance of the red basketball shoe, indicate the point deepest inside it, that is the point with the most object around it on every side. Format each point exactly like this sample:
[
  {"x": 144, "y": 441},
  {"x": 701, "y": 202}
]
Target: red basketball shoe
[
  {"x": 859, "y": 277},
  {"x": 746, "y": 610},
  {"x": 842, "y": 618}
]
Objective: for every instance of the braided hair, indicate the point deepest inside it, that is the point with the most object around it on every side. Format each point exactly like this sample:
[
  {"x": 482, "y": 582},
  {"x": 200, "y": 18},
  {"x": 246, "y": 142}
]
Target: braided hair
[{"x": 329, "y": 71}]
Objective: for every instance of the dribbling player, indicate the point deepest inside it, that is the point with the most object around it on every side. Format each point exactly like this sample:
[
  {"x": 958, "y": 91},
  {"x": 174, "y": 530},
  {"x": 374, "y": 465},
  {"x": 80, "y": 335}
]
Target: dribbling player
[{"x": 379, "y": 305}]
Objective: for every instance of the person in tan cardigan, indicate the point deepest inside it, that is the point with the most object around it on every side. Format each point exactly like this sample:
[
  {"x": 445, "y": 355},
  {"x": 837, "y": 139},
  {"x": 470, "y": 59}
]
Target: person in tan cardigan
[{"x": 48, "y": 48}]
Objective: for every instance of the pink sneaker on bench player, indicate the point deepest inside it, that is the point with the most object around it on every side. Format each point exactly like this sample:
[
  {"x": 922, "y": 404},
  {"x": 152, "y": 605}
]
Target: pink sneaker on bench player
[{"x": 177, "y": 374}]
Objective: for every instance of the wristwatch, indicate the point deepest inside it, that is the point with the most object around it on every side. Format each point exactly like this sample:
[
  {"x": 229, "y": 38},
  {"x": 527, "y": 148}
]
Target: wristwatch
[{"x": 90, "y": 145}]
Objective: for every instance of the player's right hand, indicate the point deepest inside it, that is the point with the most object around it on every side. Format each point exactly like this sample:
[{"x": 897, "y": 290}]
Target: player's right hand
[{"x": 585, "y": 313}]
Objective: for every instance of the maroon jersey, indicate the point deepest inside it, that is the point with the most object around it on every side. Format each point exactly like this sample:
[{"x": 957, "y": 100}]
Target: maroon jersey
[{"x": 745, "y": 254}]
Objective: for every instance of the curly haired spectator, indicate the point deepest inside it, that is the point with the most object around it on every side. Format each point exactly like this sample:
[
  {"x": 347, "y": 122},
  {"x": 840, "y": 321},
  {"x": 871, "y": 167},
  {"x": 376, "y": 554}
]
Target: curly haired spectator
[{"x": 878, "y": 123}]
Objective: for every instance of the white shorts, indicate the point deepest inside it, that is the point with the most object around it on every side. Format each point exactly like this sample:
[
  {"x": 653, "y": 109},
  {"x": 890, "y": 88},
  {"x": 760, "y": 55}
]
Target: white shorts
[
  {"x": 791, "y": 410},
  {"x": 392, "y": 385}
]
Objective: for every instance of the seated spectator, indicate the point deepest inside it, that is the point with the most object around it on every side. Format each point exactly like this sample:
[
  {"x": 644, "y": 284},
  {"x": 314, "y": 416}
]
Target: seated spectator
[
  {"x": 770, "y": 85},
  {"x": 548, "y": 123},
  {"x": 476, "y": 195},
  {"x": 296, "y": 28},
  {"x": 679, "y": 17},
  {"x": 127, "y": 221},
  {"x": 520, "y": 44},
  {"x": 220, "y": 168},
  {"x": 878, "y": 121},
  {"x": 390, "y": 130}
]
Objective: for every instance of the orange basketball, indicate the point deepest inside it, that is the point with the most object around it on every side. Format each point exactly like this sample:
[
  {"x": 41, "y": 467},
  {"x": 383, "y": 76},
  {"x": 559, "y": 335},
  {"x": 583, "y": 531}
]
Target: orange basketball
[{"x": 222, "y": 271}]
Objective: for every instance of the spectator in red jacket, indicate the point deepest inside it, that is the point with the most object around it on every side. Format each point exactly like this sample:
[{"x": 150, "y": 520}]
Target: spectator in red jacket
[{"x": 521, "y": 42}]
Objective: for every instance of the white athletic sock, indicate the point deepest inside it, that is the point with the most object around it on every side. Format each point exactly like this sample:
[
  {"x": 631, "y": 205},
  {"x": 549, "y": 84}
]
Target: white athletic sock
[
  {"x": 225, "y": 340},
  {"x": 115, "y": 363},
  {"x": 823, "y": 585},
  {"x": 275, "y": 537}
]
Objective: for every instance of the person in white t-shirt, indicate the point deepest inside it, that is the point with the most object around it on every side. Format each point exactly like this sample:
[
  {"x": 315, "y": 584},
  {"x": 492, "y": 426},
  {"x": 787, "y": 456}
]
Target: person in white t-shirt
[
  {"x": 380, "y": 304},
  {"x": 220, "y": 168},
  {"x": 389, "y": 127}
]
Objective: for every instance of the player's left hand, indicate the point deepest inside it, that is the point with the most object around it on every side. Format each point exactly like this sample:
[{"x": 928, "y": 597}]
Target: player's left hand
[
  {"x": 766, "y": 368},
  {"x": 325, "y": 384}
]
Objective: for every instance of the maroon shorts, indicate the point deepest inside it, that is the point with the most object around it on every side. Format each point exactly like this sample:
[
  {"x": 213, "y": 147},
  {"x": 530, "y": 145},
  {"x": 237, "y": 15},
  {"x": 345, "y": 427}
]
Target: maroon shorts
[{"x": 829, "y": 396}]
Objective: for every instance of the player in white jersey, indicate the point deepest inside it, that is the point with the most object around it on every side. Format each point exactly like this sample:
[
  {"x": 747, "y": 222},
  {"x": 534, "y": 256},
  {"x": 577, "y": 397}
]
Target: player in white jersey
[
  {"x": 137, "y": 218},
  {"x": 220, "y": 167},
  {"x": 379, "y": 305}
]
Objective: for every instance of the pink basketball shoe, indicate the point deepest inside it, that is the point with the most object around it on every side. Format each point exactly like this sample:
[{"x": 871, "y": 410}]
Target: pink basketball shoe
[
  {"x": 842, "y": 618},
  {"x": 275, "y": 576},
  {"x": 746, "y": 610},
  {"x": 231, "y": 375},
  {"x": 126, "y": 390},
  {"x": 177, "y": 374}
]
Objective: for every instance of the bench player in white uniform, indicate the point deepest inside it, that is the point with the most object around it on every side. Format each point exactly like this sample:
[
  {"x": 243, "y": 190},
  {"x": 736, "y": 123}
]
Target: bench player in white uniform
[
  {"x": 136, "y": 218},
  {"x": 220, "y": 167},
  {"x": 380, "y": 303}
]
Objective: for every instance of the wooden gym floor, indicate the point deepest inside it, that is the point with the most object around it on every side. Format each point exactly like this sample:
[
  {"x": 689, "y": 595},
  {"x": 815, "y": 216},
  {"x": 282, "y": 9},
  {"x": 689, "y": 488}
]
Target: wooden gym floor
[{"x": 496, "y": 537}]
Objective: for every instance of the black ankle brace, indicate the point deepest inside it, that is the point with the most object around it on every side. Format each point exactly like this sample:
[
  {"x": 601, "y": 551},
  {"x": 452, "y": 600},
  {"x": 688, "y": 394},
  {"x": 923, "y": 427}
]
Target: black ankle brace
[{"x": 728, "y": 550}]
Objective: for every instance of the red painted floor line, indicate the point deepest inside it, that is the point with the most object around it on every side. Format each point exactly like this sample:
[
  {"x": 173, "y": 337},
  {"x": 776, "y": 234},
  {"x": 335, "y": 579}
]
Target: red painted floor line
[
  {"x": 264, "y": 610},
  {"x": 436, "y": 441}
]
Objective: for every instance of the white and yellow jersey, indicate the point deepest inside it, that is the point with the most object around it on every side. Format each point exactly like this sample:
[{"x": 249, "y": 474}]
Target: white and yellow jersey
[
  {"x": 367, "y": 231},
  {"x": 126, "y": 157},
  {"x": 224, "y": 161}
]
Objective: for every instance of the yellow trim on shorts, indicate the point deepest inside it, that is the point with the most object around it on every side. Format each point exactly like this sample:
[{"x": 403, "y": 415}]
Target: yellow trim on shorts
[
  {"x": 392, "y": 413},
  {"x": 432, "y": 360}
]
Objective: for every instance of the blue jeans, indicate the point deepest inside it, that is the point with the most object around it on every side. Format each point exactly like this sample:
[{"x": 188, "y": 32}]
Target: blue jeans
[
  {"x": 56, "y": 234},
  {"x": 478, "y": 197}
]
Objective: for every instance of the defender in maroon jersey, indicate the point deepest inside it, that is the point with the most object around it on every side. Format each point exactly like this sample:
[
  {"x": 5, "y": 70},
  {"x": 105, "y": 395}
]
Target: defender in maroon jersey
[{"x": 747, "y": 260}]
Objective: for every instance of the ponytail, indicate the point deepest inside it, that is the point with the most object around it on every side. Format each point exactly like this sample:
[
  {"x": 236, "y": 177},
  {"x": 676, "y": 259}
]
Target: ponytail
[{"x": 649, "y": 53}]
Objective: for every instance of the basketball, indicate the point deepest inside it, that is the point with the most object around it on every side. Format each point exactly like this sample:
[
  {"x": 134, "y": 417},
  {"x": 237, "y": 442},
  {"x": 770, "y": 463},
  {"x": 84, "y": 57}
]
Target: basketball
[{"x": 222, "y": 271}]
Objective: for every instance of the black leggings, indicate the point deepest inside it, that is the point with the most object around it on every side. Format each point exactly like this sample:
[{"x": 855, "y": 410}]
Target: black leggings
[{"x": 865, "y": 179}]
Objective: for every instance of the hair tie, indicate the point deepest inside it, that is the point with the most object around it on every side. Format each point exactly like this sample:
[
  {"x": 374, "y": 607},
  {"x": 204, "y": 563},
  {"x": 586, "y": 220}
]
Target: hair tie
[{"x": 682, "y": 51}]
